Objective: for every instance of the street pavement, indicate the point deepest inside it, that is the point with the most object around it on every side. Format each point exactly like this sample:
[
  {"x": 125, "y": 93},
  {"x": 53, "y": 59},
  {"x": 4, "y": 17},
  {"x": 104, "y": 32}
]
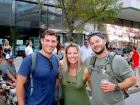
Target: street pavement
[{"x": 133, "y": 99}]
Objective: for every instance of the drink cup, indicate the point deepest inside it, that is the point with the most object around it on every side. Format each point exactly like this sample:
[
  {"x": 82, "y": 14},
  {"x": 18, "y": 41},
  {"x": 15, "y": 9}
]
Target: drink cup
[
  {"x": 102, "y": 85},
  {"x": 104, "y": 81}
]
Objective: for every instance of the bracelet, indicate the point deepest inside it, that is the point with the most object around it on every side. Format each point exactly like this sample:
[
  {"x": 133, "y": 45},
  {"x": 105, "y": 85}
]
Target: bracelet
[{"x": 117, "y": 88}]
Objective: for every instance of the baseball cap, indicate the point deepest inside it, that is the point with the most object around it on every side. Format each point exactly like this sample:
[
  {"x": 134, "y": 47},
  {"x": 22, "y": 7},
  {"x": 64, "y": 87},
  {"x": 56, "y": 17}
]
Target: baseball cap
[
  {"x": 97, "y": 33},
  {"x": 8, "y": 56}
]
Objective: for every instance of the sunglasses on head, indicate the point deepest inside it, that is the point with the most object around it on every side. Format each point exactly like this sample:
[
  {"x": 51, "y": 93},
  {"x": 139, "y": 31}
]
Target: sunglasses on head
[
  {"x": 96, "y": 33},
  {"x": 72, "y": 80}
]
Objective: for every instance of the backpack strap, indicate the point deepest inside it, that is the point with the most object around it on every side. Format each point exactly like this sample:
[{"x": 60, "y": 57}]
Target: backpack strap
[
  {"x": 92, "y": 63},
  {"x": 118, "y": 79},
  {"x": 33, "y": 62},
  {"x": 115, "y": 76},
  {"x": 32, "y": 70},
  {"x": 110, "y": 58}
]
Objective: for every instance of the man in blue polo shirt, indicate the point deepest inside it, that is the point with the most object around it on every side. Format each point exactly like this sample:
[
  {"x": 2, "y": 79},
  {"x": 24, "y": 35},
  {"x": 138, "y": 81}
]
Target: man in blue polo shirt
[{"x": 44, "y": 74}]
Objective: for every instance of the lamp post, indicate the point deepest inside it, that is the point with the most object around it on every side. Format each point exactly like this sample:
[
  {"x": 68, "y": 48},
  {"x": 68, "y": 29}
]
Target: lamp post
[
  {"x": 40, "y": 3},
  {"x": 14, "y": 25}
]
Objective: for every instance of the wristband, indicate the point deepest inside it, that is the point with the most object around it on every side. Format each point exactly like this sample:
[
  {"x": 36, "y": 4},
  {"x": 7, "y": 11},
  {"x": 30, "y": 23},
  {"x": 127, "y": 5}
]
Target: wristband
[{"x": 117, "y": 88}]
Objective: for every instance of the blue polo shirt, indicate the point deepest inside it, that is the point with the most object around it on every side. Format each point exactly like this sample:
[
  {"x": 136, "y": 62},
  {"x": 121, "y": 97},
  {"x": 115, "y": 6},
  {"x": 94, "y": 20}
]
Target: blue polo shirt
[{"x": 44, "y": 78}]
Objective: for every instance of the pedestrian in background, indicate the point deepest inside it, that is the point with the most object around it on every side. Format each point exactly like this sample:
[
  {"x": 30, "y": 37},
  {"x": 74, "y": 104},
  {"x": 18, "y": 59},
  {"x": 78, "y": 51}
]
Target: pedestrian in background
[
  {"x": 60, "y": 53},
  {"x": 1, "y": 49},
  {"x": 106, "y": 89},
  {"x": 29, "y": 49},
  {"x": 7, "y": 49},
  {"x": 135, "y": 56},
  {"x": 74, "y": 77},
  {"x": 86, "y": 50},
  {"x": 44, "y": 75},
  {"x": 7, "y": 68}
]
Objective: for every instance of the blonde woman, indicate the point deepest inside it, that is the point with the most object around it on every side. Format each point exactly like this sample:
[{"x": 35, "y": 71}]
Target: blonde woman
[
  {"x": 7, "y": 48},
  {"x": 74, "y": 77}
]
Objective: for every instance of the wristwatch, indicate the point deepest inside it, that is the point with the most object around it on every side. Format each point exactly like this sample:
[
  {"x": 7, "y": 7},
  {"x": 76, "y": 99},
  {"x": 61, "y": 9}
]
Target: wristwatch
[{"x": 117, "y": 88}]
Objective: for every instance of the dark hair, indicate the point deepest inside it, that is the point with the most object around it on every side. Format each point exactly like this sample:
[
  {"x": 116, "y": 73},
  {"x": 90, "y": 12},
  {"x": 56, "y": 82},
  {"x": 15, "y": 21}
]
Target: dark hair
[
  {"x": 48, "y": 32},
  {"x": 3, "y": 41},
  {"x": 134, "y": 48},
  {"x": 0, "y": 47},
  {"x": 27, "y": 42},
  {"x": 0, "y": 56},
  {"x": 86, "y": 39}
]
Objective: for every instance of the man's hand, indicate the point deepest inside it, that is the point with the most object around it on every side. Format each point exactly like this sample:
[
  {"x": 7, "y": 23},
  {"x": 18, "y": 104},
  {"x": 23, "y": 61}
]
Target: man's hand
[{"x": 107, "y": 86}]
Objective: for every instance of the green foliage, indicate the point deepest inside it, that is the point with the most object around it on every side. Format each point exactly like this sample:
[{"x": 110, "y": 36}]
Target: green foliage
[{"x": 79, "y": 12}]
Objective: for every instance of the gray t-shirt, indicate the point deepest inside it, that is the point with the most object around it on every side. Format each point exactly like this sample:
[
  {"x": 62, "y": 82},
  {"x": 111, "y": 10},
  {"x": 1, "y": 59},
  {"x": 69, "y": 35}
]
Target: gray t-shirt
[
  {"x": 3, "y": 66},
  {"x": 99, "y": 73},
  {"x": 6, "y": 67}
]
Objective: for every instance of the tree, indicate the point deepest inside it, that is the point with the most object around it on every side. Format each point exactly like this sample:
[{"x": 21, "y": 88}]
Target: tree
[{"x": 79, "y": 12}]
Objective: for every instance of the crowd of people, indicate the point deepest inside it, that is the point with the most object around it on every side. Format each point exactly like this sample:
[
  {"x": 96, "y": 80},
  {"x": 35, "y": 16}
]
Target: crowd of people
[
  {"x": 7, "y": 67},
  {"x": 73, "y": 69}
]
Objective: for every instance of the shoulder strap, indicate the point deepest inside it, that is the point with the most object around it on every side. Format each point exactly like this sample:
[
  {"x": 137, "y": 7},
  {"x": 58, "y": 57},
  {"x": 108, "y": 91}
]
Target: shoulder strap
[
  {"x": 92, "y": 62},
  {"x": 110, "y": 58},
  {"x": 32, "y": 70},
  {"x": 113, "y": 74},
  {"x": 33, "y": 62},
  {"x": 126, "y": 94},
  {"x": 109, "y": 61}
]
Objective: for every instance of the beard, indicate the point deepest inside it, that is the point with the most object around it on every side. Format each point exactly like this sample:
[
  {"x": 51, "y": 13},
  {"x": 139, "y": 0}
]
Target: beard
[{"x": 99, "y": 52}]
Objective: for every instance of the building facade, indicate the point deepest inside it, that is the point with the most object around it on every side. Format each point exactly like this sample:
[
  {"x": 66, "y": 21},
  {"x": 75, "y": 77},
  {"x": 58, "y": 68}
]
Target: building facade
[
  {"x": 127, "y": 28},
  {"x": 21, "y": 20}
]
